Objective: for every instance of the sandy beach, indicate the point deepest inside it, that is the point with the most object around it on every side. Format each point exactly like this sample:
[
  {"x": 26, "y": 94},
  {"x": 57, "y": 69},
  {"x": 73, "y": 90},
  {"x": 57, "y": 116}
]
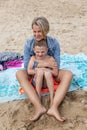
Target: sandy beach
[{"x": 68, "y": 23}]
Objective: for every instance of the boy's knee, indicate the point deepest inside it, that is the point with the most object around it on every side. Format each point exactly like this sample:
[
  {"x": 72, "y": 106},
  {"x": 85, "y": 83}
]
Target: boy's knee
[
  {"x": 40, "y": 72},
  {"x": 48, "y": 74}
]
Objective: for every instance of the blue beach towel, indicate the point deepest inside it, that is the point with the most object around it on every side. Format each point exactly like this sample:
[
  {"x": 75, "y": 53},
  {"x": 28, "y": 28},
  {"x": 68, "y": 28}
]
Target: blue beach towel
[{"x": 76, "y": 63}]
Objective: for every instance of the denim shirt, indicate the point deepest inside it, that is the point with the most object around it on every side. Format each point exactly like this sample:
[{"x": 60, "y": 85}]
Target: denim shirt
[{"x": 53, "y": 50}]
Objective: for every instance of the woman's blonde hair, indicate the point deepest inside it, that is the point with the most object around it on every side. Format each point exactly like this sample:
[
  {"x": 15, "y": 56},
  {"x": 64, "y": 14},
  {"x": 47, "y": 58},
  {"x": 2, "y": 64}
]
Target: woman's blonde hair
[{"x": 43, "y": 23}]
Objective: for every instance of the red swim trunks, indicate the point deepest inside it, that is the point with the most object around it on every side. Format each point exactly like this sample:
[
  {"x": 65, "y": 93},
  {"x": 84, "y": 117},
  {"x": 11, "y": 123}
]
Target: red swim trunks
[{"x": 43, "y": 90}]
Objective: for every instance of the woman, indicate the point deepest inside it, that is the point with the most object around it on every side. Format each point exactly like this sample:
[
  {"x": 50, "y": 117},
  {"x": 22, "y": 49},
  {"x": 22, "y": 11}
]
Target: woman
[{"x": 40, "y": 27}]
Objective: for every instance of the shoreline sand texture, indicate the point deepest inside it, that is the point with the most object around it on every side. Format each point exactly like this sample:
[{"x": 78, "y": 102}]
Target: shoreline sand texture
[{"x": 68, "y": 23}]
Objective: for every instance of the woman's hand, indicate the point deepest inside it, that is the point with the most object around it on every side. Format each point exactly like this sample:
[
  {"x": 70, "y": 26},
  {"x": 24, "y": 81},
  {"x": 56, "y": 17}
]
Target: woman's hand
[{"x": 48, "y": 64}]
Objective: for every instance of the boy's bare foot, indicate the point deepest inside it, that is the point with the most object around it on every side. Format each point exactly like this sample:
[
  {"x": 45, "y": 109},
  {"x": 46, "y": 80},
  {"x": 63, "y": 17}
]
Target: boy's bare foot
[
  {"x": 38, "y": 114},
  {"x": 55, "y": 113}
]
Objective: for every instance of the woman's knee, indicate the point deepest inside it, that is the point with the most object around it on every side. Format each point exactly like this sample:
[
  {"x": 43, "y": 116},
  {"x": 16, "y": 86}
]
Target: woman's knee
[
  {"x": 63, "y": 74},
  {"x": 20, "y": 73},
  {"x": 69, "y": 73}
]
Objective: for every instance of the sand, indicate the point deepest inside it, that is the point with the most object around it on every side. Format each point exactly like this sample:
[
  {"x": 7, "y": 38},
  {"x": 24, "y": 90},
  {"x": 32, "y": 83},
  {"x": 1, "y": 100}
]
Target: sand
[{"x": 68, "y": 23}]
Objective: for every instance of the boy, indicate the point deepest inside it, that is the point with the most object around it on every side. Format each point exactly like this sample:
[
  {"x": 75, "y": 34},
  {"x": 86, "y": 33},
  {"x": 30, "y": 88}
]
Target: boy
[{"x": 43, "y": 77}]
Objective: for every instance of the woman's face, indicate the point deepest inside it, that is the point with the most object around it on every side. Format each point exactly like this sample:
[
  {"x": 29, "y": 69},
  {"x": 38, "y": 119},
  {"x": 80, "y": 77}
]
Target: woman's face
[{"x": 37, "y": 32}]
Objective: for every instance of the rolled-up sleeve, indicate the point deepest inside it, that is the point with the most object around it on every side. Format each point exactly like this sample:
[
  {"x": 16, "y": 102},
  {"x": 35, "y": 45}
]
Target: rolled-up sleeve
[
  {"x": 57, "y": 52},
  {"x": 26, "y": 55}
]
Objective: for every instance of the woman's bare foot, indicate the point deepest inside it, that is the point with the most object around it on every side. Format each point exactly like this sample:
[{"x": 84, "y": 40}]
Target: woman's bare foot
[
  {"x": 38, "y": 113},
  {"x": 55, "y": 113}
]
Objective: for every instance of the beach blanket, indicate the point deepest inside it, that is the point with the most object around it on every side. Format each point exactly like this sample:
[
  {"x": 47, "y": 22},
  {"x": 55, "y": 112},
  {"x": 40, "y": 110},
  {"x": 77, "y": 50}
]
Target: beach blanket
[
  {"x": 9, "y": 59},
  {"x": 9, "y": 85}
]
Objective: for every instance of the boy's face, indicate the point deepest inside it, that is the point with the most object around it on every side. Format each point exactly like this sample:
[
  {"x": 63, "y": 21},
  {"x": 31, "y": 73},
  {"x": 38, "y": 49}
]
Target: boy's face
[{"x": 40, "y": 52}]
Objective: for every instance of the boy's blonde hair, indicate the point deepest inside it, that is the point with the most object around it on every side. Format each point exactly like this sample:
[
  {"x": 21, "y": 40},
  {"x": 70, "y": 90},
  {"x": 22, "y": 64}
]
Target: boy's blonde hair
[{"x": 41, "y": 43}]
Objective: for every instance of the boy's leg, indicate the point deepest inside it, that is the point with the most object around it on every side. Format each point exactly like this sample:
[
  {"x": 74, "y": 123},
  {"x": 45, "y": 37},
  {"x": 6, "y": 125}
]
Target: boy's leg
[
  {"x": 39, "y": 81},
  {"x": 23, "y": 79},
  {"x": 65, "y": 78},
  {"x": 50, "y": 84}
]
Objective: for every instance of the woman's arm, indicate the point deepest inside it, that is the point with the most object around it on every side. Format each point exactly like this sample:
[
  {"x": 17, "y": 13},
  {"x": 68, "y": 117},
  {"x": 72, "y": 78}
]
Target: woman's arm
[
  {"x": 31, "y": 70},
  {"x": 47, "y": 64},
  {"x": 28, "y": 51},
  {"x": 54, "y": 68},
  {"x": 26, "y": 55},
  {"x": 57, "y": 52}
]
